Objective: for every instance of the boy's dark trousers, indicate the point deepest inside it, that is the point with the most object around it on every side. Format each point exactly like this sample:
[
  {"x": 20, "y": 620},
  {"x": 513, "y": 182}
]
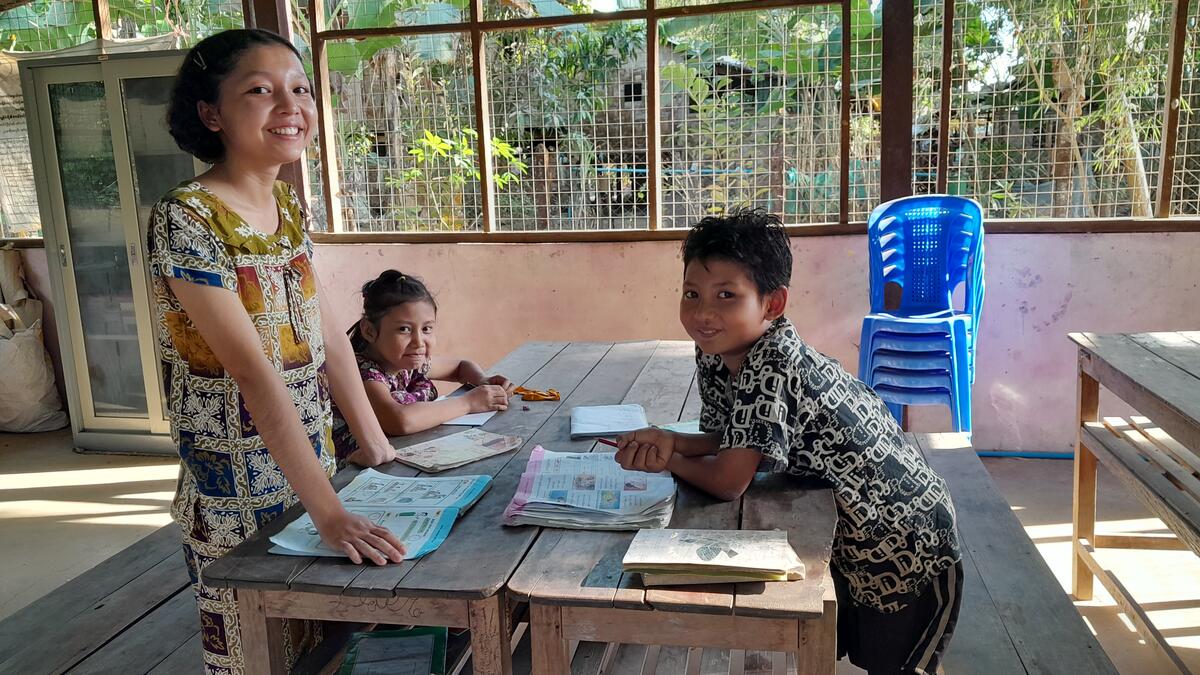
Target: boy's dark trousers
[{"x": 910, "y": 641}]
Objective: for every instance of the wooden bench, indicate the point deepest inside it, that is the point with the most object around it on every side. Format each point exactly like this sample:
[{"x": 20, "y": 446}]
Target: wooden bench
[
  {"x": 1155, "y": 456},
  {"x": 1015, "y": 616}
]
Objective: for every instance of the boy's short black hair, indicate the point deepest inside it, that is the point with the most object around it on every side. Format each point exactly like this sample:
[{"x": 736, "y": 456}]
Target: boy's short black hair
[
  {"x": 753, "y": 239},
  {"x": 199, "y": 79}
]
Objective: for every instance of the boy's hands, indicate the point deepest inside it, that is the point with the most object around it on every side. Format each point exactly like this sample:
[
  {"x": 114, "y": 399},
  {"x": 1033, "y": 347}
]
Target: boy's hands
[
  {"x": 359, "y": 538},
  {"x": 487, "y": 397},
  {"x": 500, "y": 381},
  {"x": 646, "y": 450}
]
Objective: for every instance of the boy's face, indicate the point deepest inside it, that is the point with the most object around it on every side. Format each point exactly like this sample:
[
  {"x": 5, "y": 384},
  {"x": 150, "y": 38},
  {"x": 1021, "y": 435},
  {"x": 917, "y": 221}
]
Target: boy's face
[{"x": 722, "y": 310}]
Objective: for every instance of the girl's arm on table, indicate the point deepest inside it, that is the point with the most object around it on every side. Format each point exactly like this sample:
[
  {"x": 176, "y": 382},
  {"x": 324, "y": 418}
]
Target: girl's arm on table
[
  {"x": 219, "y": 316},
  {"x": 346, "y": 387},
  {"x": 464, "y": 371}
]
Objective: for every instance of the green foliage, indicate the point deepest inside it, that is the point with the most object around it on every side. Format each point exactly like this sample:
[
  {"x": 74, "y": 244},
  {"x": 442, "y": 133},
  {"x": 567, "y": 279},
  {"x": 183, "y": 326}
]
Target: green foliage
[{"x": 45, "y": 25}]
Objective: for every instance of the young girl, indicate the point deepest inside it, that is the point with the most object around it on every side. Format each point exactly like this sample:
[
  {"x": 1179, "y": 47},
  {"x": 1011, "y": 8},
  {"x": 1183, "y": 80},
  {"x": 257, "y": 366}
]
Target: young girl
[
  {"x": 249, "y": 365},
  {"x": 394, "y": 343}
]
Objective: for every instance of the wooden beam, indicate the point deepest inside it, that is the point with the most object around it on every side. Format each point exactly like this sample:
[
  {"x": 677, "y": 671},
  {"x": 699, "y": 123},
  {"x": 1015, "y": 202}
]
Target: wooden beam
[
  {"x": 103, "y": 19},
  {"x": 326, "y": 124},
  {"x": 653, "y": 121},
  {"x": 943, "y": 139},
  {"x": 566, "y": 20},
  {"x": 1170, "y": 133},
  {"x": 844, "y": 150},
  {"x": 896, "y": 116},
  {"x": 483, "y": 121}
]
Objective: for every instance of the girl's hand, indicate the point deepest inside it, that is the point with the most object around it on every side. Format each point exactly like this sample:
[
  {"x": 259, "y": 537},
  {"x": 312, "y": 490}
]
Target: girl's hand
[
  {"x": 373, "y": 454},
  {"x": 486, "y": 398},
  {"x": 646, "y": 450},
  {"x": 359, "y": 538},
  {"x": 501, "y": 381}
]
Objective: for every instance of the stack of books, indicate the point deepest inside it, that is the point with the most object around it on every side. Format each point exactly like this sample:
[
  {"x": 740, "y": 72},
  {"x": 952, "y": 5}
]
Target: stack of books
[
  {"x": 589, "y": 491},
  {"x": 676, "y": 557}
]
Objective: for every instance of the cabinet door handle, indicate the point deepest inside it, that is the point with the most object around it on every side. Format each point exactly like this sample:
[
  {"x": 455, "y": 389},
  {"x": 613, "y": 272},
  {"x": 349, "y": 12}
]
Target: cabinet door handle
[
  {"x": 132, "y": 254},
  {"x": 62, "y": 255}
]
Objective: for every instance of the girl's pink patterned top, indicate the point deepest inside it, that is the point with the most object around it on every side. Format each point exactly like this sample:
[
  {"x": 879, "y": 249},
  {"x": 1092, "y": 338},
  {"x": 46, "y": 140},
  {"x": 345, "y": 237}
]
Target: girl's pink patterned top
[{"x": 406, "y": 386}]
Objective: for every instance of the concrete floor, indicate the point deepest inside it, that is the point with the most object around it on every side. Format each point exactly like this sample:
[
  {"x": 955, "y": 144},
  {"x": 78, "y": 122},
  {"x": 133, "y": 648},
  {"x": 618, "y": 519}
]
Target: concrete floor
[{"x": 62, "y": 512}]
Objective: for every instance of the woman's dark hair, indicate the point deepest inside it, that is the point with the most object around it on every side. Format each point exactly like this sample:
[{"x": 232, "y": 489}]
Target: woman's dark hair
[
  {"x": 384, "y": 292},
  {"x": 199, "y": 79},
  {"x": 753, "y": 239}
]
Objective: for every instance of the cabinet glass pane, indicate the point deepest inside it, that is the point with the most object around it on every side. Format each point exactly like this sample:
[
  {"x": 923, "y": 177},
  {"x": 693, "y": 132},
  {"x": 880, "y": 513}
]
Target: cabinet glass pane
[
  {"x": 97, "y": 240},
  {"x": 158, "y": 164}
]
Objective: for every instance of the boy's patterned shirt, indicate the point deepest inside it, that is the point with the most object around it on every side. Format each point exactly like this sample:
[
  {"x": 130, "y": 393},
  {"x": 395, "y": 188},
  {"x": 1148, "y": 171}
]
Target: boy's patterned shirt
[{"x": 809, "y": 417}]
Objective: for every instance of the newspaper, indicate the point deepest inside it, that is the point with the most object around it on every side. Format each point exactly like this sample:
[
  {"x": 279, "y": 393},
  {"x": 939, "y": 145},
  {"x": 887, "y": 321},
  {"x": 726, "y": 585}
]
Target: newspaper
[
  {"x": 589, "y": 491},
  {"x": 666, "y": 557},
  {"x": 456, "y": 450},
  {"x": 419, "y": 511}
]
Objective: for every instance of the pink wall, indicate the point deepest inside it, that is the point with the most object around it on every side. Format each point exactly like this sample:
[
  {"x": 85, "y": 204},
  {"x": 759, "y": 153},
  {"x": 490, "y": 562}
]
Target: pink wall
[{"x": 1040, "y": 287}]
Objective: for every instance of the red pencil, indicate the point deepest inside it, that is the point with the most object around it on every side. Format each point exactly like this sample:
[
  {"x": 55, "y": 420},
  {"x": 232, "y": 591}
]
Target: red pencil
[{"x": 607, "y": 442}]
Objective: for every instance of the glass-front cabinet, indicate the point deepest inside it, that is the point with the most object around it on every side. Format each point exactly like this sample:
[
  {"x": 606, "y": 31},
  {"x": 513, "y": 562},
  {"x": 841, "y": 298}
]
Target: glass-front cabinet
[{"x": 102, "y": 156}]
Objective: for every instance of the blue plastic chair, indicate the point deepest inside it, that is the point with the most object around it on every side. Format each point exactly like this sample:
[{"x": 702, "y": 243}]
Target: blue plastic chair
[{"x": 923, "y": 351}]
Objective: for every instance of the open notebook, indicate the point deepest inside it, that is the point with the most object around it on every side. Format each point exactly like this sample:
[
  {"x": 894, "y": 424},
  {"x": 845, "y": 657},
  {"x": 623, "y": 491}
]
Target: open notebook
[{"x": 589, "y": 421}]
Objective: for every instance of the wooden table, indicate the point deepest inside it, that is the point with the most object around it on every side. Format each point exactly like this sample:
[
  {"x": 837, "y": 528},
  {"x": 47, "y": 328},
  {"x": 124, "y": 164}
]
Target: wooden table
[
  {"x": 462, "y": 583},
  {"x": 1158, "y": 374},
  {"x": 577, "y": 591}
]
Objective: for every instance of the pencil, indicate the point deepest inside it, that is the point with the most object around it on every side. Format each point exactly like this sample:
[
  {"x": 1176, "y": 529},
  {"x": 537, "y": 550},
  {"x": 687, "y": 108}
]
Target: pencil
[{"x": 607, "y": 442}]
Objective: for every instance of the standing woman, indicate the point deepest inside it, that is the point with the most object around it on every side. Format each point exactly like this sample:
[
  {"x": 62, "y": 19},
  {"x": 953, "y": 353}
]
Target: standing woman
[{"x": 248, "y": 357}]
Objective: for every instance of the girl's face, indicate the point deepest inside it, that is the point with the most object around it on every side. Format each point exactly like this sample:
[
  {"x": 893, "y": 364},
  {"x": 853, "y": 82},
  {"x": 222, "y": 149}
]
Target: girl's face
[
  {"x": 265, "y": 110},
  {"x": 405, "y": 337}
]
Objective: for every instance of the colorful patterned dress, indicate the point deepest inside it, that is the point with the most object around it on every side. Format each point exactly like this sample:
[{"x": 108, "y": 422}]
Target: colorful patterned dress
[
  {"x": 229, "y": 485},
  {"x": 406, "y": 386}
]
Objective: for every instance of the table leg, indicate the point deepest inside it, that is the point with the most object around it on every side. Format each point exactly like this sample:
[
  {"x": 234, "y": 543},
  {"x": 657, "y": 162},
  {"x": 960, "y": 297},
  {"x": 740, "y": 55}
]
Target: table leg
[
  {"x": 549, "y": 646},
  {"x": 261, "y": 637},
  {"x": 491, "y": 653},
  {"x": 1083, "y": 512},
  {"x": 818, "y": 639}
]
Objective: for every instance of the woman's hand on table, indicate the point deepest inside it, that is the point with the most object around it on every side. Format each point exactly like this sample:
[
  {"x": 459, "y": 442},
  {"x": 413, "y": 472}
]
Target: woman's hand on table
[{"x": 359, "y": 538}]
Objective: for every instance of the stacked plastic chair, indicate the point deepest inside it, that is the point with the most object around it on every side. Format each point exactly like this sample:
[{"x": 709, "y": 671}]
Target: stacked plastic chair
[{"x": 923, "y": 351}]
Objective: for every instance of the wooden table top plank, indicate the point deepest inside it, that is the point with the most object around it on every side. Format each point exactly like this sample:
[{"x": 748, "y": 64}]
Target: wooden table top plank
[
  {"x": 1174, "y": 348},
  {"x": 565, "y": 371},
  {"x": 661, "y": 388},
  {"x": 250, "y": 566},
  {"x": 777, "y": 502},
  {"x": 1155, "y": 387},
  {"x": 491, "y": 551},
  {"x": 691, "y": 407},
  {"x": 325, "y": 575},
  {"x": 1037, "y": 616}
]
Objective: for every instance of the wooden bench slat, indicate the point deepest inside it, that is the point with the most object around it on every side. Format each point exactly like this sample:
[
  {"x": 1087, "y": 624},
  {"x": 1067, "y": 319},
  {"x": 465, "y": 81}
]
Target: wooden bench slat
[
  {"x": 59, "y": 645},
  {"x": 1173, "y": 448},
  {"x": 1166, "y": 501},
  {"x": 980, "y": 643},
  {"x": 1047, "y": 630},
  {"x": 81, "y": 593},
  {"x": 148, "y": 642},
  {"x": 1178, "y": 475},
  {"x": 187, "y": 659}
]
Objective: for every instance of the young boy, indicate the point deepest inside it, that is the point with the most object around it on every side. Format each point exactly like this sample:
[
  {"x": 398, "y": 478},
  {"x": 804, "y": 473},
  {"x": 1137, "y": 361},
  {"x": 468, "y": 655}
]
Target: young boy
[{"x": 772, "y": 403}]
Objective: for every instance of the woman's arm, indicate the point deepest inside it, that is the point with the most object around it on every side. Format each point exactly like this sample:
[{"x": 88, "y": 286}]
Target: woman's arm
[
  {"x": 221, "y": 319},
  {"x": 346, "y": 386}
]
